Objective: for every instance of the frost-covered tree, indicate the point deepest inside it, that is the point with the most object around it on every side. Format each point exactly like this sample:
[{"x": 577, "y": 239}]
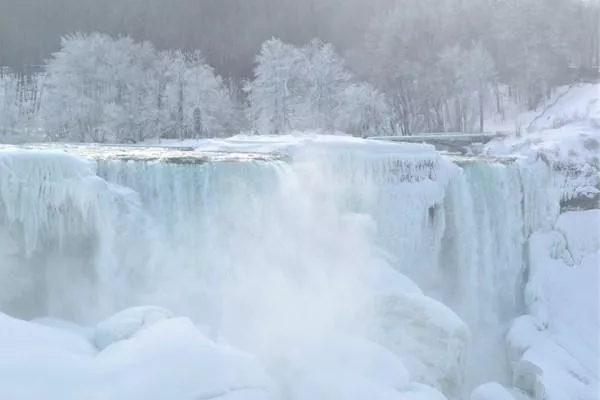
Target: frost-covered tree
[
  {"x": 103, "y": 89},
  {"x": 208, "y": 107},
  {"x": 136, "y": 90},
  {"x": 276, "y": 88},
  {"x": 194, "y": 100},
  {"x": 172, "y": 77},
  {"x": 9, "y": 106},
  {"x": 19, "y": 103},
  {"x": 325, "y": 78},
  {"x": 99, "y": 89},
  {"x": 310, "y": 88},
  {"x": 547, "y": 30},
  {"x": 363, "y": 111},
  {"x": 402, "y": 47}
]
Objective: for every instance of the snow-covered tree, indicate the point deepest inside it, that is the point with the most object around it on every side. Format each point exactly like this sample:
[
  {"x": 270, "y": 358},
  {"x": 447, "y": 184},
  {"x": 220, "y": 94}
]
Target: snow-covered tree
[
  {"x": 9, "y": 107},
  {"x": 103, "y": 89},
  {"x": 137, "y": 89},
  {"x": 99, "y": 89},
  {"x": 276, "y": 88},
  {"x": 325, "y": 79},
  {"x": 19, "y": 103},
  {"x": 310, "y": 88},
  {"x": 208, "y": 106},
  {"x": 363, "y": 111},
  {"x": 195, "y": 102},
  {"x": 172, "y": 68}
]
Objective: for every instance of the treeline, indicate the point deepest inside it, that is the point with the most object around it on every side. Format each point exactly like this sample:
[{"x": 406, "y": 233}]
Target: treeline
[
  {"x": 98, "y": 88},
  {"x": 103, "y": 89},
  {"x": 399, "y": 66}
]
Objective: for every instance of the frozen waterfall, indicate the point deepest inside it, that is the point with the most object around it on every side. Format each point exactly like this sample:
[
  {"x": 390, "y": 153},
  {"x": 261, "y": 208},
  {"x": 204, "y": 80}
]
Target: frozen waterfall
[{"x": 328, "y": 263}]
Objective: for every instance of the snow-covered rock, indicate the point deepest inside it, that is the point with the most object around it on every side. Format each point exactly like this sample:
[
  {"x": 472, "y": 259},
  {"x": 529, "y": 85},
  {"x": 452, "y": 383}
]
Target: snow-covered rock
[
  {"x": 169, "y": 359},
  {"x": 126, "y": 324},
  {"x": 521, "y": 336},
  {"x": 491, "y": 391},
  {"x": 581, "y": 231},
  {"x": 429, "y": 337}
]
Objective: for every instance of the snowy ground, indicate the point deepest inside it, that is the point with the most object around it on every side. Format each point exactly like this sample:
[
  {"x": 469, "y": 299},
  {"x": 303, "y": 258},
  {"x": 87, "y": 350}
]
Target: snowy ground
[{"x": 139, "y": 354}]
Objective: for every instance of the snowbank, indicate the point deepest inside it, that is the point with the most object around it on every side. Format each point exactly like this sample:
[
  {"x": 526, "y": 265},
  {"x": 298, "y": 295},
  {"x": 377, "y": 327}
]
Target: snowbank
[
  {"x": 581, "y": 231},
  {"x": 565, "y": 132},
  {"x": 166, "y": 357},
  {"x": 569, "y": 104},
  {"x": 556, "y": 350},
  {"x": 572, "y": 104},
  {"x": 169, "y": 359}
]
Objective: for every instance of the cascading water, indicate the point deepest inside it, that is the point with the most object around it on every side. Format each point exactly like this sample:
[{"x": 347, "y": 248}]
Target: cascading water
[
  {"x": 275, "y": 255},
  {"x": 482, "y": 254}
]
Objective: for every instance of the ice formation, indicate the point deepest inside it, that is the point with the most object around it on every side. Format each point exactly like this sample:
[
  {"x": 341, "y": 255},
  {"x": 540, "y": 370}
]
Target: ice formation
[
  {"x": 61, "y": 223},
  {"x": 335, "y": 267}
]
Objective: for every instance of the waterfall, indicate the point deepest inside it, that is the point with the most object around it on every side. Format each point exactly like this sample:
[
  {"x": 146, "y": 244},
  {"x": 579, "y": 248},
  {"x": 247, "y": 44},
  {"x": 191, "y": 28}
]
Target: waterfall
[
  {"x": 482, "y": 258},
  {"x": 265, "y": 254}
]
